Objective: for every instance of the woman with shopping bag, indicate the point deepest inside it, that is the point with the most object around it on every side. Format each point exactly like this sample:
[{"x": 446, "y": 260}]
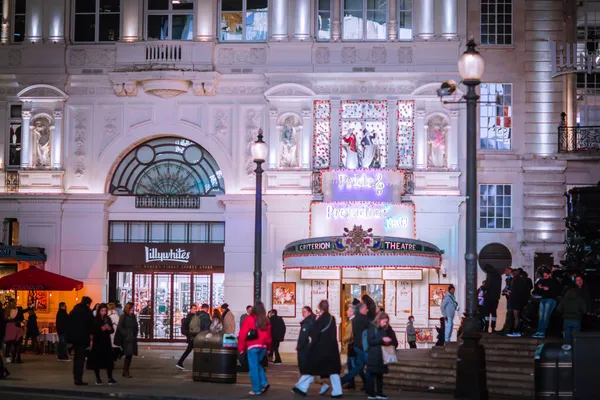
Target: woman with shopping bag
[{"x": 382, "y": 344}]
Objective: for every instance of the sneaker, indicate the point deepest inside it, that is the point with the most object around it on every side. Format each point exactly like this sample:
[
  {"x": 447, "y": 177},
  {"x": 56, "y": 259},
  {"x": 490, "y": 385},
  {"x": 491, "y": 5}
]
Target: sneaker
[
  {"x": 81, "y": 383},
  {"x": 324, "y": 389},
  {"x": 299, "y": 392},
  {"x": 539, "y": 335},
  {"x": 382, "y": 397},
  {"x": 8, "y": 360},
  {"x": 372, "y": 398},
  {"x": 277, "y": 363},
  {"x": 252, "y": 393},
  {"x": 98, "y": 382},
  {"x": 266, "y": 388},
  {"x": 112, "y": 382},
  {"x": 515, "y": 334},
  {"x": 181, "y": 367}
]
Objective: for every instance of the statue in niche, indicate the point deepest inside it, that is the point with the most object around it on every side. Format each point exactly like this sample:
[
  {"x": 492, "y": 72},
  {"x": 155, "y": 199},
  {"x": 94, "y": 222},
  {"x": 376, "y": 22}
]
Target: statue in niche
[
  {"x": 361, "y": 149},
  {"x": 350, "y": 144},
  {"x": 289, "y": 143},
  {"x": 436, "y": 142},
  {"x": 41, "y": 135},
  {"x": 369, "y": 154}
]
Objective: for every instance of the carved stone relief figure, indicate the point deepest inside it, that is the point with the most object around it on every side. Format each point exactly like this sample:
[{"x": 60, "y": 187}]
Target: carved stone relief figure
[
  {"x": 437, "y": 131},
  {"x": 40, "y": 129},
  {"x": 289, "y": 142}
]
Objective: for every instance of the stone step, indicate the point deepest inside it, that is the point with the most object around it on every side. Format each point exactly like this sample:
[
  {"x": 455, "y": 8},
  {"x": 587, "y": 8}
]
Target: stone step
[{"x": 506, "y": 353}]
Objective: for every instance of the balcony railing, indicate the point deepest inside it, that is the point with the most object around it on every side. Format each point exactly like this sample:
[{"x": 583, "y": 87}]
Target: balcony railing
[
  {"x": 163, "y": 52},
  {"x": 577, "y": 138}
]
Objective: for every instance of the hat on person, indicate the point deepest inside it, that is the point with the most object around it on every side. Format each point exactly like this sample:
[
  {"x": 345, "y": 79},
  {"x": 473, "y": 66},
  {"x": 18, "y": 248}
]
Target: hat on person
[
  {"x": 225, "y": 305},
  {"x": 355, "y": 302}
]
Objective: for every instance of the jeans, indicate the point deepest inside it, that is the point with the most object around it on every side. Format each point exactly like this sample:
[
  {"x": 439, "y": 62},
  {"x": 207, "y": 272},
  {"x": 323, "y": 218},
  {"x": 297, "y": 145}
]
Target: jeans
[
  {"x": 570, "y": 326},
  {"x": 371, "y": 379},
  {"x": 257, "y": 372},
  {"x": 449, "y": 326},
  {"x": 358, "y": 365},
  {"x": 546, "y": 308},
  {"x": 187, "y": 352},
  {"x": 78, "y": 362},
  {"x": 61, "y": 348}
]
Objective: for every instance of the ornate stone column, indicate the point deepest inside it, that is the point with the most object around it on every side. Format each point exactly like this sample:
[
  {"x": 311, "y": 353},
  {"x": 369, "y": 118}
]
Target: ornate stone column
[
  {"x": 131, "y": 23},
  {"x": 392, "y": 25},
  {"x": 274, "y": 135},
  {"x": 392, "y": 129},
  {"x": 307, "y": 135},
  {"x": 56, "y": 138},
  {"x": 26, "y": 140},
  {"x": 420, "y": 139},
  {"x": 4, "y": 23},
  {"x": 54, "y": 18},
  {"x": 205, "y": 17},
  {"x": 452, "y": 140},
  {"x": 426, "y": 19},
  {"x": 34, "y": 13},
  {"x": 303, "y": 20},
  {"x": 279, "y": 25},
  {"x": 449, "y": 19},
  {"x": 336, "y": 29},
  {"x": 335, "y": 133}
]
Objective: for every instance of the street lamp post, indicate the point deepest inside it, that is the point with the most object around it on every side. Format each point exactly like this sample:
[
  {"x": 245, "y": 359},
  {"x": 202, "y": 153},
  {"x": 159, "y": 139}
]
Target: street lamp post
[
  {"x": 259, "y": 152},
  {"x": 471, "y": 381}
]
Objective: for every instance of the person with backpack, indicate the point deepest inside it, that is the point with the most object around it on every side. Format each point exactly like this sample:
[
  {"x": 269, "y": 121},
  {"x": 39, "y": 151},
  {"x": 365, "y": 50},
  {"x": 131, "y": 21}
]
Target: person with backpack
[
  {"x": 360, "y": 323},
  {"x": 185, "y": 330},
  {"x": 379, "y": 335},
  {"x": 255, "y": 340},
  {"x": 228, "y": 320}
]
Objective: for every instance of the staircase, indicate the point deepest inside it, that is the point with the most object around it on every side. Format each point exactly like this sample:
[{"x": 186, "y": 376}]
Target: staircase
[{"x": 510, "y": 367}]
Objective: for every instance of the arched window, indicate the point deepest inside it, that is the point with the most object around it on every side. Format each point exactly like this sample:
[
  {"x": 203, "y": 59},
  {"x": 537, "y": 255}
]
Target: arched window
[{"x": 168, "y": 167}]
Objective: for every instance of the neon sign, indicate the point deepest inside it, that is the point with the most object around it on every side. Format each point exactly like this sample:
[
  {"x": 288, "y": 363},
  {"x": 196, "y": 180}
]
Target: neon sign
[
  {"x": 362, "y": 181},
  {"x": 365, "y": 211},
  {"x": 396, "y": 222}
]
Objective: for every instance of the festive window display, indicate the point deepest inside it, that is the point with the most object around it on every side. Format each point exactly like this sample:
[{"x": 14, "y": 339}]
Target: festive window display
[
  {"x": 495, "y": 116},
  {"x": 406, "y": 133},
  {"x": 322, "y": 134},
  {"x": 437, "y": 131},
  {"x": 364, "y": 139}
]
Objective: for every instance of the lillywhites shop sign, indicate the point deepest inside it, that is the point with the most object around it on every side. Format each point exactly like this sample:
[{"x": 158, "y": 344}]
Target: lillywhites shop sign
[
  {"x": 386, "y": 219},
  {"x": 565, "y": 59},
  {"x": 173, "y": 255},
  {"x": 362, "y": 185}
]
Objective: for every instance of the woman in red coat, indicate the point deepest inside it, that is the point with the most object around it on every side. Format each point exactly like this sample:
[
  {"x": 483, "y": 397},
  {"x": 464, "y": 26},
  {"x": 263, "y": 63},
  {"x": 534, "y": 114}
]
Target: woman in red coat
[{"x": 255, "y": 339}]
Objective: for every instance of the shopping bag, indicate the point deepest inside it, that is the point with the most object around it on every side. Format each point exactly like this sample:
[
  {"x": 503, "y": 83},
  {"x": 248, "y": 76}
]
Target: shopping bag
[{"x": 389, "y": 355}]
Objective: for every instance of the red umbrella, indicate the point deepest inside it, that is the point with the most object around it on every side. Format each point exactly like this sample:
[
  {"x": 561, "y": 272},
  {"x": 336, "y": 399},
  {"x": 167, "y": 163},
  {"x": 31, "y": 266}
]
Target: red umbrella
[{"x": 34, "y": 278}]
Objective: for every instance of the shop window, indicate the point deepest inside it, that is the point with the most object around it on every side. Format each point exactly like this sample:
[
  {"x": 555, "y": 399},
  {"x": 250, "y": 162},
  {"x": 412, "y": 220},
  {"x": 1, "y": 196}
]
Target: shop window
[
  {"x": 405, "y": 19},
  {"x": 177, "y": 232},
  {"x": 118, "y": 232},
  {"x": 364, "y": 20},
  {"x": 15, "y": 124},
  {"x": 138, "y": 232},
  {"x": 158, "y": 232},
  {"x": 496, "y": 22},
  {"x": 19, "y": 21},
  {"x": 364, "y": 134},
  {"x": 96, "y": 21},
  {"x": 217, "y": 233},
  {"x": 218, "y": 290},
  {"x": 495, "y": 206},
  {"x": 198, "y": 232},
  {"x": 324, "y": 19},
  {"x": 495, "y": 116},
  {"x": 170, "y": 20},
  {"x": 244, "y": 20},
  {"x": 405, "y": 136},
  {"x": 169, "y": 232},
  {"x": 202, "y": 290},
  {"x": 322, "y": 134}
]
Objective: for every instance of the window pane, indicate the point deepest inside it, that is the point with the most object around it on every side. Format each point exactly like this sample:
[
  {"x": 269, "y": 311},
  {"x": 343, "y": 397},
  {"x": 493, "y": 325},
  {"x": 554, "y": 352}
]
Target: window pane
[
  {"x": 158, "y": 27},
  {"x": 85, "y": 28},
  {"x": 353, "y": 4},
  {"x": 182, "y": 298},
  {"x": 110, "y": 5},
  {"x": 137, "y": 232},
  {"x": 231, "y": 26},
  {"x": 324, "y": 25},
  {"x": 325, "y": 5},
  {"x": 117, "y": 231},
  {"x": 231, "y": 5},
  {"x": 81, "y": 6},
  {"x": 162, "y": 307},
  {"x": 177, "y": 232},
  {"x": 183, "y": 5},
  {"x": 201, "y": 289},
  {"x": 377, "y": 4},
  {"x": 20, "y": 6},
  {"x": 217, "y": 233},
  {"x": 19, "y": 34},
  {"x": 256, "y": 24},
  {"x": 353, "y": 25},
  {"x": 218, "y": 292},
  {"x": 109, "y": 28},
  {"x": 158, "y": 232},
  {"x": 376, "y": 25},
  {"x": 257, "y": 4},
  {"x": 183, "y": 27},
  {"x": 198, "y": 232},
  {"x": 158, "y": 4}
]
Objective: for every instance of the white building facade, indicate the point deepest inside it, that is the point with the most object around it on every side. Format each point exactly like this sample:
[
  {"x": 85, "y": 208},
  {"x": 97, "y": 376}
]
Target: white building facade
[{"x": 126, "y": 128}]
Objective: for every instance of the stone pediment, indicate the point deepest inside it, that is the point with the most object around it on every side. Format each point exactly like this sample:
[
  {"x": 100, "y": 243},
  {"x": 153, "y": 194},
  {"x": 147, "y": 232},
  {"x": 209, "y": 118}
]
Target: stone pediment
[
  {"x": 42, "y": 93},
  {"x": 164, "y": 84},
  {"x": 289, "y": 91}
]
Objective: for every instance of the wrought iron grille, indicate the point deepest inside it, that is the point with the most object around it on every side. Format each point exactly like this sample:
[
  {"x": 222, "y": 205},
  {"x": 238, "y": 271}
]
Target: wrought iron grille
[
  {"x": 11, "y": 181},
  {"x": 577, "y": 138},
  {"x": 409, "y": 182},
  {"x": 167, "y": 202},
  {"x": 316, "y": 183}
]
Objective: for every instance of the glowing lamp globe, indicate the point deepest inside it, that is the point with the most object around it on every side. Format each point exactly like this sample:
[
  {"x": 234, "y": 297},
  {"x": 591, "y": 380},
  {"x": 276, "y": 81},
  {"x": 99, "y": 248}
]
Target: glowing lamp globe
[
  {"x": 259, "y": 149},
  {"x": 471, "y": 65}
]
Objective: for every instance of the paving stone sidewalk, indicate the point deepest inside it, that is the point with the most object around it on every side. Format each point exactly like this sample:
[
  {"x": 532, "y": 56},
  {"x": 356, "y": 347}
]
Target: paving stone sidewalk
[{"x": 155, "y": 376}]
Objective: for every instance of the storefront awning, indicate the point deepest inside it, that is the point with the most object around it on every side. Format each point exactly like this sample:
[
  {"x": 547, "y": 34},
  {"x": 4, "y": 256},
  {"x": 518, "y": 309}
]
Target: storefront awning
[{"x": 360, "y": 248}]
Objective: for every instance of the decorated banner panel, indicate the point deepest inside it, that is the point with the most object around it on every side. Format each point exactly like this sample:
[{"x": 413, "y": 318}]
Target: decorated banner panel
[
  {"x": 360, "y": 248},
  {"x": 385, "y": 219},
  {"x": 362, "y": 185},
  {"x": 364, "y": 138}
]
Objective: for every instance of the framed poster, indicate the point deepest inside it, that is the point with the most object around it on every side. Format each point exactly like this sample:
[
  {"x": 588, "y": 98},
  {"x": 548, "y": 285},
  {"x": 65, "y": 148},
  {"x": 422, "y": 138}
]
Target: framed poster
[
  {"x": 404, "y": 298},
  {"x": 318, "y": 292},
  {"x": 284, "y": 298},
  {"x": 41, "y": 301},
  {"x": 436, "y": 295},
  {"x": 424, "y": 335}
]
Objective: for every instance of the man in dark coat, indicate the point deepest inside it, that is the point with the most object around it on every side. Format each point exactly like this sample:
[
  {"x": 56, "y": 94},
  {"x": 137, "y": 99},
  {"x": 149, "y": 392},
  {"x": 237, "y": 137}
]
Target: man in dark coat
[
  {"x": 278, "y": 334},
  {"x": 491, "y": 298},
  {"x": 62, "y": 323},
  {"x": 303, "y": 346},
  {"x": 509, "y": 321},
  {"x": 79, "y": 331},
  {"x": 519, "y": 297},
  {"x": 3, "y": 371},
  {"x": 360, "y": 323},
  {"x": 185, "y": 329}
]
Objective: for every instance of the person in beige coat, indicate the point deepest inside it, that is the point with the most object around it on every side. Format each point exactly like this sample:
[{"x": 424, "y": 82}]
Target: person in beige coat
[{"x": 228, "y": 319}]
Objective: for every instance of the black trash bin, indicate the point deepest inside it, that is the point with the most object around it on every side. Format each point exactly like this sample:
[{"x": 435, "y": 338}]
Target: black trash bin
[
  {"x": 215, "y": 357},
  {"x": 554, "y": 372},
  {"x": 586, "y": 353}
]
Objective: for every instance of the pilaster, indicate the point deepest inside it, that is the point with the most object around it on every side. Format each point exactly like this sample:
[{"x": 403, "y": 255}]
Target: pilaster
[
  {"x": 26, "y": 140},
  {"x": 335, "y": 138},
  {"x": 425, "y": 19},
  {"x": 420, "y": 139},
  {"x": 279, "y": 20},
  {"x": 303, "y": 20},
  {"x": 131, "y": 23},
  {"x": 452, "y": 141},
  {"x": 54, "y": 19},
  {"x": 56, "y": 138},
  {"x": 449, "y": 19},
  {"x": 33, "y": 21},
  {"x": 205, "y": 15},
  {"x": 336, "y": 28}
]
